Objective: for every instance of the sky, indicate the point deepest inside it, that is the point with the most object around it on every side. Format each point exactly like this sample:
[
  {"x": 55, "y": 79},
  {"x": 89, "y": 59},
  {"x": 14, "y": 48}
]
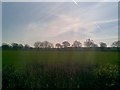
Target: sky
[
  {"x": 60, "y": 0},
  {"x": 0, "y": 23},
  {"x": 26, "y": 23}
]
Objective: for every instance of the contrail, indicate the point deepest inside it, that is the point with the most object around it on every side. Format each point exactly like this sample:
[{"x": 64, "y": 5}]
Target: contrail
[
  {"x": 98, "y": 26},
  {"x": 75, "y": 2}
]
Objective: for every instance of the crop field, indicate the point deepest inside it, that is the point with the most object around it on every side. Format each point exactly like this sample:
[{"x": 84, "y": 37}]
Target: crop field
[
  {"x": 60, "y": 69},
  {"x": 22, "y": 57}
]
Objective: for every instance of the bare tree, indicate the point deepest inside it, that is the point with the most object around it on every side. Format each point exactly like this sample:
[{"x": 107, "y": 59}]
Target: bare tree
[
  {"x": 89, "y": 43},
  {"x": 116, "y": 44},
  {"x": 44, "y": 44},
  {"x": 37, "y": 44},
  {"x": 66, "y": 44},
  {"x": 58, "y": 45},
  {"x": 102, "y": 44},
  {"x": 26, "y": 46},
  {"x": 95, "y": 45},
  {"x": 50, "y": 45},
  {"x": 14, "y": 45},
  {"x": 77, "y": 44},
  {"x": 20, "y": 46}
]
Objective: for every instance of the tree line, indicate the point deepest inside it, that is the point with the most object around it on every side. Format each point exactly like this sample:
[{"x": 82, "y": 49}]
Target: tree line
[{"x": 65, "y": 44}]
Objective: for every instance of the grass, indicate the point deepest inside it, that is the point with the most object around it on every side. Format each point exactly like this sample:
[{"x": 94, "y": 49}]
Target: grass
[
  {"x": 60, "y": 69},
  {"x": 22, "y": 57}
]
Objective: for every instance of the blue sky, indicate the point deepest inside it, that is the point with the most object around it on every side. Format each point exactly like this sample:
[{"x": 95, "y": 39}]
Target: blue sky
[
  {"x": 0, "y": 23},
  {"x": 55, "y": 22}
]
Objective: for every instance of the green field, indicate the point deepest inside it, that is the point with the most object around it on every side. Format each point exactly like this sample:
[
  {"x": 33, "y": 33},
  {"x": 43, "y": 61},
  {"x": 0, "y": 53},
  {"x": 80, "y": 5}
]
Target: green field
[
  {"x": 23, "y": 57},
  {"x": 60, "y": 69}
]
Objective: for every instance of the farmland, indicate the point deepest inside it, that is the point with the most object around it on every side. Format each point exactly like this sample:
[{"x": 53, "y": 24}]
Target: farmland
[
  {"x": 60, "y": 69},
  {"x": 21, "y": 57}
]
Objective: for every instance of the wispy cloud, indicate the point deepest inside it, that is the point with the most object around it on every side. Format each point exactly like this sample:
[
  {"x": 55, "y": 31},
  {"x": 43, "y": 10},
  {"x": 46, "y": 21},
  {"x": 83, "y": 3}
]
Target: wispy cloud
[
  {"x": 106, "y": 21},
  {"x": 65, "y": 23},
  {"x": 62, "y": 25}
]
